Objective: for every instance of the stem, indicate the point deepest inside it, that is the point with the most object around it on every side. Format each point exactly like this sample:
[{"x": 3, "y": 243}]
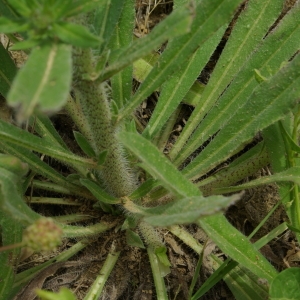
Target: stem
[
  {"x": 97, "y": 287},
  {"x": 161, "y": 292},
  {"x": 94, "y": 105}
]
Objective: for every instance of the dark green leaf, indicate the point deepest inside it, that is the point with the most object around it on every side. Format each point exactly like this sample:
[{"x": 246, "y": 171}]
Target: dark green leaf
[
  {"x": 101, "y": 157},
  {"x": 133, "y": 239},
  {"x": 98, "y": 192},
  {"x": 9, "y": 26},
  {"x": 76, "y": 35},
  {"x": 21, "y": 7},
  {"x": 8, "y": 71},
  {"x": 144, "y": 189},
  {"x": 84, "y": 144}
]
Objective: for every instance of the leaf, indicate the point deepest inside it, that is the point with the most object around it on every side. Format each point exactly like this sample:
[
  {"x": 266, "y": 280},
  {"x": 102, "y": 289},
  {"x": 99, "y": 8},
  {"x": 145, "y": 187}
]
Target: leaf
[
  {"x": 285, "y": 285},
  {"x": 121, "y": 83},
  {"x": 11, "y": 200},
  {"x": 98, "y": 192},
  {"x": 48, "y": 90},
  {"x": 144, "y": 189},
  {"x": 279, "y": 45},
  {"x": 63, "y": 294},
  {"x": 9, "y": 26},
  {"x": 174, "y": 89},
  {"x": 292, "y": 175},
  {"x": 21, "y": 7},
  {"x": 237, "y": 246},
  {"x": 158, "y": 165},
  {"x": 209, "y": 17},
  {"x": 177, "y": 23},
  {"x": 84, "y": 144},
  {"x": 11, "y": 233},
  {"x": 187, "y": 210},
  {"x": 17, "y": 136},
  {"x": 76, "y": 35},
  {"x": 8, "y": 71},
  {"x": 248, "y": 31},
  {"x": 161, "y": 254},
  {"x": 269, "y": 102},
  {"x": 133, "y": 239}
]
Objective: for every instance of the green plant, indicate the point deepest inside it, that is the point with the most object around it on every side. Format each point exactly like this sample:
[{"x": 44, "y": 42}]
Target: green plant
[{"x": 81, "y": 60}]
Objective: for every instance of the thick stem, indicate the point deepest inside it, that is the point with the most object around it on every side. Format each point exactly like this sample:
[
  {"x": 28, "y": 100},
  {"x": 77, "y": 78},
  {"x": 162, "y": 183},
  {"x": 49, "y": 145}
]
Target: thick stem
[{"x": 94, "y": 105}]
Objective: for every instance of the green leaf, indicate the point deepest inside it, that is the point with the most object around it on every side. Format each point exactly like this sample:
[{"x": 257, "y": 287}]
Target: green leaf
[
  {"x": 82, "y": 6},
  {"x": 121, "y": 83},
  {"x": 102, "y": 157},
  {"x": 177, "y": 23},
  {"x": 188, "y": 210},
  {"x": 13, "y": 164},
  {"x": 76, "y": 35},
  {"x": 174, "y": 89},
  {"x": 84, "y": 144},
  {"x": 133, "y": 239},
  {"x": 208, "y": 18},
  {"x": 24, "y": 45},
  {"x": 11, "y": 233},
  {"x": 17, "y": 136},
  {"x": 48, "y": 90},
  {"x": 63, "y": 294},
  {"x": 8, "y": 71},
  {"x": 248, "y": 31},
  {"x": 11, "y": 200},
  {"x": 161, "y": 253},
  {"x": 144, "y": 189},
  {"x": 292, "y": 175},
  {"x": 237, "y": 246},
  {"x": 106, "y": 20},
  {"x": 9, "y": 26},
  {"x": 98, "y": 192},
  {"x": 269, "y": 102},
  {"x": 285, "y": 285},
  {"x": 21, "y": 7},
  {"x": 158, "y": 165}
]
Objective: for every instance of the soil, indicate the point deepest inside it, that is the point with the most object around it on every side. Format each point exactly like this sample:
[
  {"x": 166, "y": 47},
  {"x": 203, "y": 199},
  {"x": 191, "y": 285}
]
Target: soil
[{"x": 132, "y": 278}]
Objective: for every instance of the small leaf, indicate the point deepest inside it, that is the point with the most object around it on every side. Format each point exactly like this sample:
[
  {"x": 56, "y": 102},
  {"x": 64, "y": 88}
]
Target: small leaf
[
  {"x": 21, "y": 7},
  {"x": 9, "y": 26},
  {"x": 259, "y": 78},
  {"x": 52, "y": 69},
  {"x": 13, "y": 164},
  {"x": 76, "y": 35},
  {"x": 63, "y": 294},
  {"x": 98, "y": 192},
  {"x": 188, "y": 210},
  {"x": 144, "y": 189},
  {"x": 23, "y": 45},
  {"x": 84, "y": 144},
  {"x": 161, "y": 254},
  {"x": 101, "y": 157},
  {"x": 286, "y": 285},
  {"x": 133, "y": 239}
]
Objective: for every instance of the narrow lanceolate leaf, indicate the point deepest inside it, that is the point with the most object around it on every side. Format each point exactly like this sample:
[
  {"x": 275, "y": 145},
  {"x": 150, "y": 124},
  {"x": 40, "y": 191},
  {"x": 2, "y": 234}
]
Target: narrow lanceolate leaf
[
  {"x": 11, "y": 233},
  {"x": 234, "y": 243},
  {"x": 106, "y": 19},
  {"x": 17, "y": 136},
  {"x": 158, "y": 165},
  {"x": 291, "y": 175},
  {"x": 209, "y": 17},
  {"x": 98, "y": 192},
  {"x": 43, "y": 82},
  {"x": 76, "y": 35},
  {"x": 9, "y": 26},
  {"x": 7, "y": 72},
  {"x": 174, "y": 90},
  {"x": 177, "y": 23},
  {"x": 84, "y": 144},
  {"x": 188, "y": 210},
  {"x": 11, "y": 200},
  {"x": 121, "y": 83},
  {"x": 269, "y": 102},
  {"x": 247, "y": 33},
  {"x": 279, "y": 46}
]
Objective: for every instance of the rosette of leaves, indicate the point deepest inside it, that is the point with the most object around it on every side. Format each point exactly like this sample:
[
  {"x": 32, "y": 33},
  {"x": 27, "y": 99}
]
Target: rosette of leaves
[{"x": 83, "y": 57}]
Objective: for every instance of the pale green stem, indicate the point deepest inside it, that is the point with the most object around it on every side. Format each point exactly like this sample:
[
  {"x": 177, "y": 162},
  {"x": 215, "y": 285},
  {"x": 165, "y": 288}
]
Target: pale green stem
[
  {"x": 161, "y": 291},
  {"x": 97, "y": 286}
]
